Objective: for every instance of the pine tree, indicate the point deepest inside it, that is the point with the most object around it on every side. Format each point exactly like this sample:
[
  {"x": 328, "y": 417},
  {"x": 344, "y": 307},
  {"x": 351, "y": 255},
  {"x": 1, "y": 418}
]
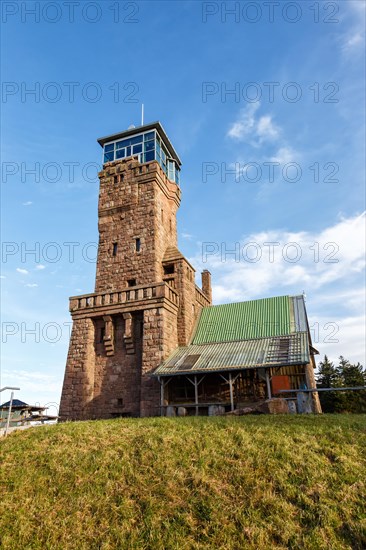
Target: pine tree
[
  {"x": 328, "y": 377},
  {"x": 327, "y": 374},
  {"x": 352, "y": 376}
]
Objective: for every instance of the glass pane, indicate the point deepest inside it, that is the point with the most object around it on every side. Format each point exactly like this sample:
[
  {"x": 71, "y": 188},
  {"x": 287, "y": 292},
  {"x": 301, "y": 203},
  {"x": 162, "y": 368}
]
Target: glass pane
[
  {"x": 137, "y": 148},
  {"x": 149, "y": 156},
  {"x": 128, "y": 151},
  {"x": 109, "y": 147},
  {"x": 149, "y": 145},
  {"x": 149, "y": 135},
  {"x": 108, "y": 157},
  {"x": 122, "y": 143},
  {"x": 136, "y": 139},
  {"x": 120, "y": 154}
]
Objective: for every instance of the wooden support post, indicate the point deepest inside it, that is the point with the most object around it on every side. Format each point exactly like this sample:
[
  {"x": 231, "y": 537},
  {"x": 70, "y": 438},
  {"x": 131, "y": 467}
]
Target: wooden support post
[
  {"x": 311, "y": 384},
  {"x": 9, "y": 414},
  {"x": 230, "y": 381},
  {"x": 196, "y": 394},
  {"x": 231, "y": 392},
  {"x": 268, "y": 385},
  {"x": 162, "y": 393},
  {"x": 161, "y": 396}
]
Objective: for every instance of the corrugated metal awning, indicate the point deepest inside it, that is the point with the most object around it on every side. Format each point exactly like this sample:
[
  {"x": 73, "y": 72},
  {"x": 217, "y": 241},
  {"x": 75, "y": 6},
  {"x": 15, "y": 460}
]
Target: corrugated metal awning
[{"x": 292, "y": 349}]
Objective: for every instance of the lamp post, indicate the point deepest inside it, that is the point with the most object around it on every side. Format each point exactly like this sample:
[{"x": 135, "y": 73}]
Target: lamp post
[{"x": 10, "y": 406}]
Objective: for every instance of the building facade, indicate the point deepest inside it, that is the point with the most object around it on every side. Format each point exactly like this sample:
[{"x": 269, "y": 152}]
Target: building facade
[{"x": 148, "y": 341}]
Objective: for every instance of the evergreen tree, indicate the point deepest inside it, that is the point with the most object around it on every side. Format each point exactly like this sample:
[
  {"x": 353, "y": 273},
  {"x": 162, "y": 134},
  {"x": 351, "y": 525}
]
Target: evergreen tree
[
  {"x": 352, "y": 376},
  {"x": 327, "y": 374},
  {"x": 328, "y": 377}
]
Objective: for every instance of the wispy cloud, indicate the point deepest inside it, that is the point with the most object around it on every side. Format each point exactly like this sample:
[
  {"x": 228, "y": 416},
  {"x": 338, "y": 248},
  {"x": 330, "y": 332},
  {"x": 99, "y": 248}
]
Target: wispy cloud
[
  {"x": 35, "y": 381},
  {"x": 31, "y": 285},
  {"x": 28, "y": 203},
  {"x": 328, "y": 265},
  {"x": 40, "y": 266},
  {"x": 255, "y": 129},
  {"x": 311, "y": 261},
  {"x": 187, "y": 236},
  {"x": 22, "y": 271},
  {"x": 284, "y": 155},
  {"x": 353, "y": 40}
]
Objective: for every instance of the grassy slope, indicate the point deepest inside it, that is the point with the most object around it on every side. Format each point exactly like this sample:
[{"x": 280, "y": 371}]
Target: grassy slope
[{"x": 195, "y": 483}]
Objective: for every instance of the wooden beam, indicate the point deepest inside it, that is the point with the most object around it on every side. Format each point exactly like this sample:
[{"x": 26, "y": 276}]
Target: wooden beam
[
  {"x": 196, "y": 393},
  {"x": 268, "y": 385},
  {"x": 231, "y": 392},
  {"x": 162, "y": 388}
]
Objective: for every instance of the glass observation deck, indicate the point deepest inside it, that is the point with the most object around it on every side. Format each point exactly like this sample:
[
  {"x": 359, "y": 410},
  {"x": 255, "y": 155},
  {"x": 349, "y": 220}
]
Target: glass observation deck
[{"x": 148, "y": 143}]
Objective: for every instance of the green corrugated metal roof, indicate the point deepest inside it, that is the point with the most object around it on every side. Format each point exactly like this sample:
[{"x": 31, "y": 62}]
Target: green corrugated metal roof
[
  {"x": 260, "y": 352},
  {"x": 245, "y": 320}
]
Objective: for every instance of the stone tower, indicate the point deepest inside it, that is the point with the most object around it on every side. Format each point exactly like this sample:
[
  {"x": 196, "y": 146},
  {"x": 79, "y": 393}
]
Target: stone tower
[{"x": 146, "y": 301}]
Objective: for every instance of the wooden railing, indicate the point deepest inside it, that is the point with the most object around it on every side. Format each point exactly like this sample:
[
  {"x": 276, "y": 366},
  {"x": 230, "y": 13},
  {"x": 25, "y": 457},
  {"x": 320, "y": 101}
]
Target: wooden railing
[{"x": 125, "y": 296}]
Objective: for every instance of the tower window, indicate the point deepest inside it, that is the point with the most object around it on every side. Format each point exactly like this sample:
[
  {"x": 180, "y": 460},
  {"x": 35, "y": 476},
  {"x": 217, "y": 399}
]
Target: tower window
[
  {"x": 138, "y": 245},
  {"x": 131, "y": 282},
  {"x": 115, "y": 247},
  {"x": 168, "y": 269}
]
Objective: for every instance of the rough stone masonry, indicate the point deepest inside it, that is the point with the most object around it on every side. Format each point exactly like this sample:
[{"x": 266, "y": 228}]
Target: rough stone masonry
[{"x": 145, "y": 302}]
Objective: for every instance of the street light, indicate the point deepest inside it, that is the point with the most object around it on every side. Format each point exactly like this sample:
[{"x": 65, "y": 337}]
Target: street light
[{"x": 10, "y": 405}]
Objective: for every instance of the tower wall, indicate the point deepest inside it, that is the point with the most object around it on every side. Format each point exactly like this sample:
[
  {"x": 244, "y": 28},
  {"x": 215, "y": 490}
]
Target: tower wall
[
  {"x": 135, "y": 202},
  {"x": 139, "y": 312},
  {"x": 78, "y": 386}
]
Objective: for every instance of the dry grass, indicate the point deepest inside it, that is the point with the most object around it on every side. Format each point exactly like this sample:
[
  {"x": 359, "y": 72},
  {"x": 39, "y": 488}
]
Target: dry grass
[{"x": 192, "y": 483}]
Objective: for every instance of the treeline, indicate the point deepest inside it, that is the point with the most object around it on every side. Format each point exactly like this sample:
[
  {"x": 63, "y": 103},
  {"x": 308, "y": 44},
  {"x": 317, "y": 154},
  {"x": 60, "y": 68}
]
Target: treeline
[{"x": 343, "y": 375}]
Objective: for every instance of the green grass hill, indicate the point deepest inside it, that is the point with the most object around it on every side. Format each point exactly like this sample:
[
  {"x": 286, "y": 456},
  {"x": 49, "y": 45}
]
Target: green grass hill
[{"x": 258, "y": 482}]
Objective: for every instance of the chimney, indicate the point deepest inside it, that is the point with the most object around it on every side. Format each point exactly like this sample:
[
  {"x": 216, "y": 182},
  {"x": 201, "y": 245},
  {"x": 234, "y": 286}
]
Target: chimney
[{"x": 206, "y": 284}]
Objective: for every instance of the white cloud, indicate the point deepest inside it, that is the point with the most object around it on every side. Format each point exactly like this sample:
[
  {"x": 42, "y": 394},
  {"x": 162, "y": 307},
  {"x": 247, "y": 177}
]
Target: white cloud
[
  {"x": 248, "y": 127},
  {"x": 31, "y": 381},
  {"x": 334, "y": 336},
  {"x": 22, "y": 271},
  {"x": 328, "y": 265},
  {"x": 266, "y": 129},
  {"x": 353, "y": 41},
  {"x": 31, "y": 285},
  {"x": 2, "y": 277},
  {"x": 256, "y": 131},
  {"x": 285, "y": 155},
  {"x": 246, "y": 123},
  {"x": 28, "y": 203},
  {"x": 187, "y": 236},
  {"x": 40, "y": 266},
  {"x": 299, "y": 258}
]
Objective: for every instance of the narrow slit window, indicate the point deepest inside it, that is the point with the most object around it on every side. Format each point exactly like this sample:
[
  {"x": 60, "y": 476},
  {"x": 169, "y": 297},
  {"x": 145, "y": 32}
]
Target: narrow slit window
[
  {"x": 131, "y": 282},
  {"x": 138, "y": 245},
  {"x": 115, "y": 248}
]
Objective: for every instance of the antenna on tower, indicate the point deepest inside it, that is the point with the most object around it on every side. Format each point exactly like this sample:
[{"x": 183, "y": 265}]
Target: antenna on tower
[{"x": 142, "y": 114}]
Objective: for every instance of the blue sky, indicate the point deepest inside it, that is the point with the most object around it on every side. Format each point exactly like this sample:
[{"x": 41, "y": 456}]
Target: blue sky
[{"x": 265, "y": 107}]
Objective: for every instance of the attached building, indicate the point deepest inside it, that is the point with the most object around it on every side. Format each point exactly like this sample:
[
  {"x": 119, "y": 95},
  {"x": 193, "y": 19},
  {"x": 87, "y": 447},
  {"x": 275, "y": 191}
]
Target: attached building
[{"x": 241, "y": 354}]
